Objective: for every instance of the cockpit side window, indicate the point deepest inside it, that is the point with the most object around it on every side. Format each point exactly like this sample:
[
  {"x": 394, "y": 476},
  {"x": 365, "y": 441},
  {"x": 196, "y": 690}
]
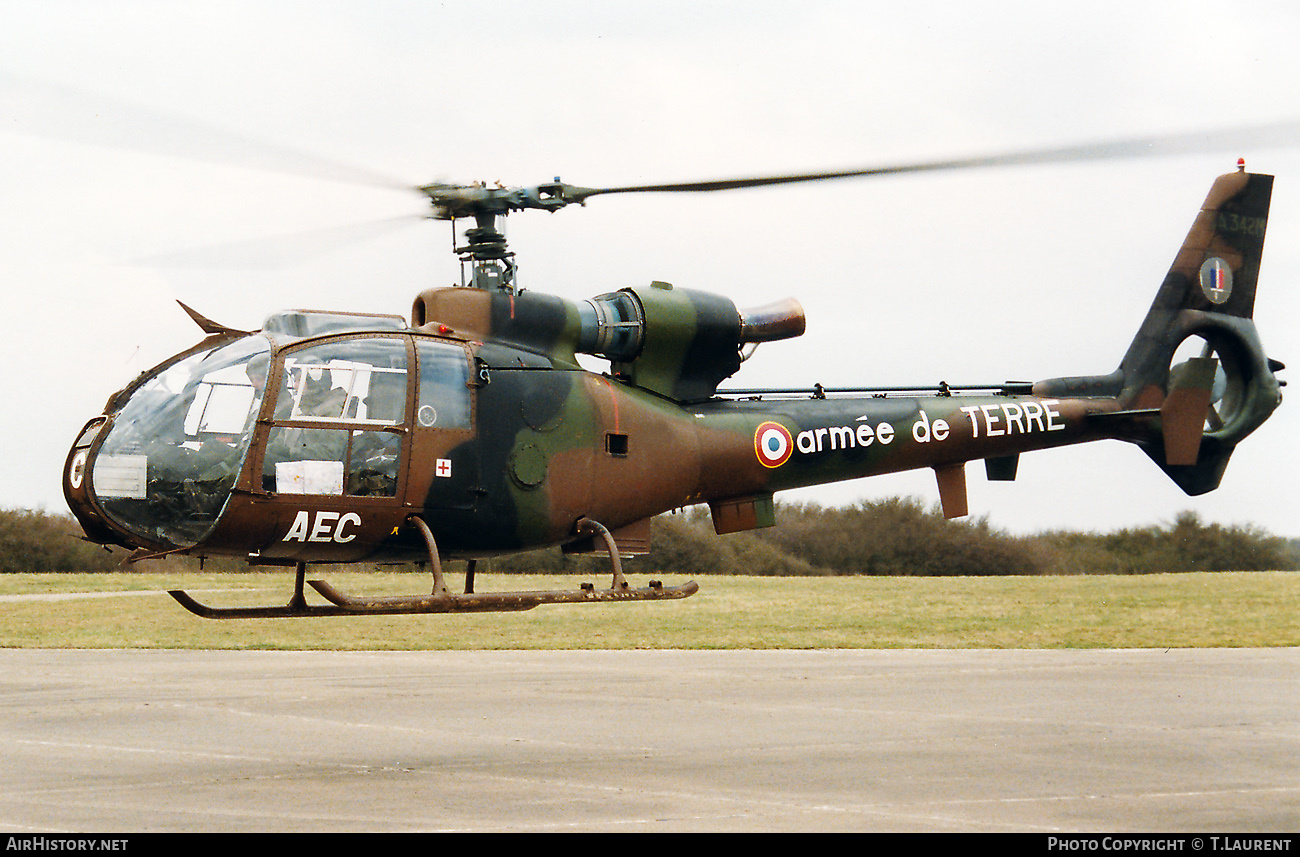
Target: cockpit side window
[
  {"x": 444, "y": 400},
  {"x": 351, "y": 381},
  {"x": 339, "y": 418}
]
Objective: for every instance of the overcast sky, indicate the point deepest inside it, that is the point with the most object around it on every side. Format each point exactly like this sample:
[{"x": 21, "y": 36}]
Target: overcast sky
[{"x": 133, "y": 130}]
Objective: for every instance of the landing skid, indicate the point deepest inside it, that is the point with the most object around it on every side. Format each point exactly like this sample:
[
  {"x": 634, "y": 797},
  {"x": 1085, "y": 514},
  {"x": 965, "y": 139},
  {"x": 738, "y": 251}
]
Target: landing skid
[
  {"x": 441, "y": 600},
  {"x": 497, "y": 601}
]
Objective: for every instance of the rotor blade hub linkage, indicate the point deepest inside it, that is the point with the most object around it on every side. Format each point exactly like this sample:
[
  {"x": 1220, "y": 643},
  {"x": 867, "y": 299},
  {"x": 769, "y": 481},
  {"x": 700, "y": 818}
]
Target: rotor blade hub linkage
[{"x": 451, "y": 202}]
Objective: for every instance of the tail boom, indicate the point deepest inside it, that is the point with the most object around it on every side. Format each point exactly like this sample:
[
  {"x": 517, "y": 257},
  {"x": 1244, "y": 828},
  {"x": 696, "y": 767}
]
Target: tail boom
[{"x": 1187, "y": 411}]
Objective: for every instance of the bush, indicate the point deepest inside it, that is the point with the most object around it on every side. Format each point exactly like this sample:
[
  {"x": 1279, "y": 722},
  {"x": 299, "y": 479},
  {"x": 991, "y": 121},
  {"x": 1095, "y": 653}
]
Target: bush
[
  {"x": 37, "y": 541},
  {"x": 1188, "y": 544},
  {"x": 898, "y": 537},
  {"x": 686, "y": 545}
]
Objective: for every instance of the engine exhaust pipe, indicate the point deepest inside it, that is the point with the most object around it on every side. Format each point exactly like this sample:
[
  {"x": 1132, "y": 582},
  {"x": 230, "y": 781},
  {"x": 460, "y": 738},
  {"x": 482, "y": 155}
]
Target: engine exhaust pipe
[{"x": 783, "y": 319}]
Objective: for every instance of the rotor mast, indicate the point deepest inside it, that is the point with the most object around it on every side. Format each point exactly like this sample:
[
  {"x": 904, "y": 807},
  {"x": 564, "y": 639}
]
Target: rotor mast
[{"x": 490, "y": 265}]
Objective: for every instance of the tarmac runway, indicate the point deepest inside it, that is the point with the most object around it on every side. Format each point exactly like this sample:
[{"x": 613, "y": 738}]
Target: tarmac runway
[{"x": 1160, "y": 741}]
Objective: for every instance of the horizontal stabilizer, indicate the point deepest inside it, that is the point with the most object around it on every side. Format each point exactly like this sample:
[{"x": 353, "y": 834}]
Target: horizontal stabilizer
[{"x": 1002, "y": 468}]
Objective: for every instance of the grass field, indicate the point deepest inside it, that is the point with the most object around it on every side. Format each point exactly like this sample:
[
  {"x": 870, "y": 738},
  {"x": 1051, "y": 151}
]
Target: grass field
[{"x": 132, "y": 610}]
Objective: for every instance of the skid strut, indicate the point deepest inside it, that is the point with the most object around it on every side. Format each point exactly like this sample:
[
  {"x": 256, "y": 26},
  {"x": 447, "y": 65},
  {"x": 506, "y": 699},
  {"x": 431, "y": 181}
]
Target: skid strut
[{"x": 442, "y": 599}]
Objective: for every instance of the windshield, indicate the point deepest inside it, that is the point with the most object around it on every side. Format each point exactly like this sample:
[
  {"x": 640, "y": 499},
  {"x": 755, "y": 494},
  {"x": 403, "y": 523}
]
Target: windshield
[{"x": 176, "y": 446}]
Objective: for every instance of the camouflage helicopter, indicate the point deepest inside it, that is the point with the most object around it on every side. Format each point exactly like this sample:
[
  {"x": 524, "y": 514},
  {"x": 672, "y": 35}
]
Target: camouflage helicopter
[{"x": 470, "y": 430}]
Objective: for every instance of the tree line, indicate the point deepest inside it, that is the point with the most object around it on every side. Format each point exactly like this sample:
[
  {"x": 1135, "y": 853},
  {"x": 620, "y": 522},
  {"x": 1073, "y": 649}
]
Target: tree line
[
  {"x": 896, "y": 536},
  {"x": 902, "y": 537}
]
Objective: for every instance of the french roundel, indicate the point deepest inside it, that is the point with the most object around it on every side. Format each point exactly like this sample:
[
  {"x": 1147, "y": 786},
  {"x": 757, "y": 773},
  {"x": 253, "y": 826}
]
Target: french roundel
[{"x": 773, "y": 444}]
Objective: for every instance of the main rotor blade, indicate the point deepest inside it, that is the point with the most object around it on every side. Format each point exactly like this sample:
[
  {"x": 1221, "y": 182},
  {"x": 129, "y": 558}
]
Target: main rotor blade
[
  {"x": 277, "y": 251},
  {"x": 65, "y": 113},
  {"x": 1280, "y": 134}
]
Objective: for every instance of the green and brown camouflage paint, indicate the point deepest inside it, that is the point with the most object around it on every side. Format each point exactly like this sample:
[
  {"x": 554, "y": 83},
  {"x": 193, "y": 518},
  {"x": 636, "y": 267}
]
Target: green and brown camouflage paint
[{"x": 551, "y": 444}]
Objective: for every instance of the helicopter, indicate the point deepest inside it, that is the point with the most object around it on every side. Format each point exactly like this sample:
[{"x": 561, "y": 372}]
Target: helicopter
[{"x": 470, "y": 429}]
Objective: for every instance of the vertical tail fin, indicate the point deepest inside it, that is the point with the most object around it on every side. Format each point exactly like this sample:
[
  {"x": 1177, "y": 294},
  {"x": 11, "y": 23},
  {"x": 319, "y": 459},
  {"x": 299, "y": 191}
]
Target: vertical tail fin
[{"x": 1204, "y": 310}]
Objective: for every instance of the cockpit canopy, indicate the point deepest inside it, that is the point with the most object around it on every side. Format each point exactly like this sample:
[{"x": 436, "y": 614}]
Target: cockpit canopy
[
  {"x": 325, "y": 415},
  {"x": 178, "y": 442}
]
